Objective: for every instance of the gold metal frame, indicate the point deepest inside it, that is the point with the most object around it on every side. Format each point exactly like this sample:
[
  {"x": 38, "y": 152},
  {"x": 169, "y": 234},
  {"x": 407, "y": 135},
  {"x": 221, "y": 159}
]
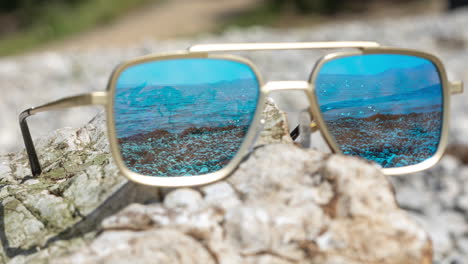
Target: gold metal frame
[
  {"x": 179, "y": 180},
  {"x": 205, "y": 51},
  {"x": 446, "y": 90}
]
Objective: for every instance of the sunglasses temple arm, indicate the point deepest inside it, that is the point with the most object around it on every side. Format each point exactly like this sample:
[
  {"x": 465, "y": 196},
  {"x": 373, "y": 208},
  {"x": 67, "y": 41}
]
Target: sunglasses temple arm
[
  {"x": 295, "y": 133},
  {"x": 95, "y": 98},
  {"x": 28, "y": 143}
]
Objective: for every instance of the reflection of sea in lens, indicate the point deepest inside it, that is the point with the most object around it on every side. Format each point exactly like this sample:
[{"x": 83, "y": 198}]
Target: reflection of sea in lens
[
  {"x": 185, "y": 116},
  {"x": 382, "y": 107},
  {"x": 193, "y": 151},
  {"x": 389, "y": 140}
]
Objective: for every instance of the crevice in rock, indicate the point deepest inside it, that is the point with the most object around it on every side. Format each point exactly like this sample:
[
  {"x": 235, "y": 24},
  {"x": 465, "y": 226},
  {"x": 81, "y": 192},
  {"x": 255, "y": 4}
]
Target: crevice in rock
[
  {"x": 37, "y": 214},
  {"x": 310, "y": 247},
  {"x": 11, "y": 164},
  {"x": 330, "y": 208},
  {"x": 455, "y": 208},
  {"x": 29, "y": 209},
  {"x": 11, "y": 252},
  {"x": 88, "y": 224},
  {"x": 59, "y": 194},
  {"x": 211, "y": 252},
  {"x": 200, "y": 191},
  {"x": 242, "y": 196},
  {"x": 411, "y": 209},
  {"x": 458, "y": 151},
  {"x": 271, "y": 253}
]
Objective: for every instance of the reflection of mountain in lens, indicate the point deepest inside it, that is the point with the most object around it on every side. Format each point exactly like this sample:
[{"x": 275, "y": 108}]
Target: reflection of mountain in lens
[
  {"x": 176, "y": 107},
  {"x": 396, "y": 91}
]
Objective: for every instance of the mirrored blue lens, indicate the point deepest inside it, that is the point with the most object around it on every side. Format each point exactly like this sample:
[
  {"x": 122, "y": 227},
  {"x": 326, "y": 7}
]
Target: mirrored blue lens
[
  {"x": 383, "y": 107},
  {"x": 183, "y": 117}
]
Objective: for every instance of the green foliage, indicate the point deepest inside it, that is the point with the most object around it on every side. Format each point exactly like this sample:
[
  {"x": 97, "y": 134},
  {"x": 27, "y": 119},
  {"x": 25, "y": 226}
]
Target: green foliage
[
  {"x": 308, "y": 6},
  {"x": 329, "y": 7},
  {"x": 305, "y": 12},
  {"x": 270, "y": 12},
  {"x": 28, "y": 11},
  {"x": 46, "y": 20},
  {"x": 261, "y": 15}
]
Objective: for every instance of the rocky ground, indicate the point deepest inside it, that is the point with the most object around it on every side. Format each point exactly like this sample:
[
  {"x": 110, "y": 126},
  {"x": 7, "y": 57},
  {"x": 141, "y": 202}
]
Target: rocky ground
[
  {"x": 296, "y": 206},
  {"x": 437, "y": 198}
]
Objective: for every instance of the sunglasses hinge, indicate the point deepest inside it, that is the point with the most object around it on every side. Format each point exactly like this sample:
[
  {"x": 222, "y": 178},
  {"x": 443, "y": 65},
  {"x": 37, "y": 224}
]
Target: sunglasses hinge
[{"x": 456, "y": 87}]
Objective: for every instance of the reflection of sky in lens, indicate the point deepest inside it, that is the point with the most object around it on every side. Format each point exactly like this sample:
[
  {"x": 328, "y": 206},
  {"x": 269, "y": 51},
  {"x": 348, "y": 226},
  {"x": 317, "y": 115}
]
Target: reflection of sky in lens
[
  {"x": 168, "y": 72},
  {"x": 372, "y": 64}
]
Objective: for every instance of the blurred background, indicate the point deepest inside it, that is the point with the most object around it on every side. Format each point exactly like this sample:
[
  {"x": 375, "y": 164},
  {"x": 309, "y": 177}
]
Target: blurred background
[
  {"x": 55, "y": 48},
  {"x": 44, "y": 24}
]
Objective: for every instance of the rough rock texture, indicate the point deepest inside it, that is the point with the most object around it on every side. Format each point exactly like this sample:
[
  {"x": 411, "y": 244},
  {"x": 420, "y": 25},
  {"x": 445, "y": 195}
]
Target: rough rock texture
[
  {"x": 309, "y": 209},
  {"x": 62, "y": 207},
  {"x": 292, "y": 206},
  {"x": 438, "y": 200}
]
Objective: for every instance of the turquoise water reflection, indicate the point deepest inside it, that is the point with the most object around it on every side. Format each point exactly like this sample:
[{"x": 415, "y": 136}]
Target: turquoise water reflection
[
  {"x": 382, "y": 107},
  {"x": 183, "y": 116}
]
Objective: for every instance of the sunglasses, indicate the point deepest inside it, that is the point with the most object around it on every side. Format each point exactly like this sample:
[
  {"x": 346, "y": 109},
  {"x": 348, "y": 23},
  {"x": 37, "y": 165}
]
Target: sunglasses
[{"x": 189, "y": 118}]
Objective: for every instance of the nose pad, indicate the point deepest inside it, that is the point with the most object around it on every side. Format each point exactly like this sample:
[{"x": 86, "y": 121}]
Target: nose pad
[
  {"x": 305, "y": 128},
  {"x": 292, "y": 98}
]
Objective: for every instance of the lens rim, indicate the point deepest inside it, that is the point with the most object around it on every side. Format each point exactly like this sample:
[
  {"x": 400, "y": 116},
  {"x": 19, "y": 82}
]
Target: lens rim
[
  {"x": 319, "y": 119},
  {"x": 177, "y": 180}
]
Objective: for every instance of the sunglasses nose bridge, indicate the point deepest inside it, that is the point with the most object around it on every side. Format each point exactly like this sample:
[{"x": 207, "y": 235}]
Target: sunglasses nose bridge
[
  {"x": 275, "y": 86},
  {"x": 300, "y": 118}
]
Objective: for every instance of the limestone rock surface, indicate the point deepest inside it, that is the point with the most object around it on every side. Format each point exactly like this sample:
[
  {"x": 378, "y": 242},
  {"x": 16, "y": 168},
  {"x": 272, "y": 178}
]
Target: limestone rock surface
[
  {"x": 283, "y": 204},
  {"x": 297, "y": 206}
]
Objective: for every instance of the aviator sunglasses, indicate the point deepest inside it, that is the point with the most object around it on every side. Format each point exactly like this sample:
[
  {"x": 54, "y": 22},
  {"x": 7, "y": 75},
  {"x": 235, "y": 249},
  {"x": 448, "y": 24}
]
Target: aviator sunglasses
[{"x": 189, "y": 118}]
